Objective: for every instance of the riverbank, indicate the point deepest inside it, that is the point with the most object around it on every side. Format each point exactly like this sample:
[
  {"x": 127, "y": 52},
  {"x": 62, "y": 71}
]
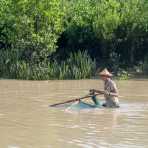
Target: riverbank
[{"x": 131, "y": 76}]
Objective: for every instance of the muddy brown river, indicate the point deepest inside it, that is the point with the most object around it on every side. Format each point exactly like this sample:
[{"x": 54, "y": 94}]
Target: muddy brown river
[{"x": 26, "y": 121}]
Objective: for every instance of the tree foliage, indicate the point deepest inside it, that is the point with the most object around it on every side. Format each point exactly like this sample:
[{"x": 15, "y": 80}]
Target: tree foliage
[
  {"x": 113, "y": 32},
  {"x": 107, "y": 27},
  {"x": 32, "y": 27}
]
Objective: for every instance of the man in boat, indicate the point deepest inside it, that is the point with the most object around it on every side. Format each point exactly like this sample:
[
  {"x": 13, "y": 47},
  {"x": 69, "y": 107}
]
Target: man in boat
[{"x": 110, "y": 90}]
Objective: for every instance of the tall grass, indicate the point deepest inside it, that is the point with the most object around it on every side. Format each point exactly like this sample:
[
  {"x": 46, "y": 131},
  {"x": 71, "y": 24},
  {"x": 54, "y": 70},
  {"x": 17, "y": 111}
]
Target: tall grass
[{"x": 77, "y": 66}]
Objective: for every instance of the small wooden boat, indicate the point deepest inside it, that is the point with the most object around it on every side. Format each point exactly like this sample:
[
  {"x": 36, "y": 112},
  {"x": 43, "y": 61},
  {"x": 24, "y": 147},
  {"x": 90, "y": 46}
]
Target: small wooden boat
[
  {"x": 78, "y": 103},
  {"x": 82, "y": 105}
]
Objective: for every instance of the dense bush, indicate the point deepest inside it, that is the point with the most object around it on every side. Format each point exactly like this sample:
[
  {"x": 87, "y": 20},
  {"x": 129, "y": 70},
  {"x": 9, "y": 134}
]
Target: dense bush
[
  {"x": 35, "y": 36},
  {"x": 106, "y": 27},
  {"x": 33, "y": 27}
]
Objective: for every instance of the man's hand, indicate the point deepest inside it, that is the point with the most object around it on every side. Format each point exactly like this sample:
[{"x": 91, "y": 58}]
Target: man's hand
[
  {"x": 106, "y": 92},
  {"x": 92, "y": 91}
]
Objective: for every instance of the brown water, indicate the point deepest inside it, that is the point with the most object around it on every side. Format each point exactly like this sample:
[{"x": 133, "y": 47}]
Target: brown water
[{"x": 26, "y": 121}]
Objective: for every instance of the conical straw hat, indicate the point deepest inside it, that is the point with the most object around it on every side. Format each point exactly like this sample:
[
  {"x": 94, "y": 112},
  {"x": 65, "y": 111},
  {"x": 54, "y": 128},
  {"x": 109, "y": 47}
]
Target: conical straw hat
[{"x": 105, "y": 72}]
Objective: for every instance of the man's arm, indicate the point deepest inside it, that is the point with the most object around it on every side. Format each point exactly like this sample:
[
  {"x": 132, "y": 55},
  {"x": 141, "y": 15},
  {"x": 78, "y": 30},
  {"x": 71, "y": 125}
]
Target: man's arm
[
  {"x": 104, "y": 92},
  {"x": 114, "y": 94}
]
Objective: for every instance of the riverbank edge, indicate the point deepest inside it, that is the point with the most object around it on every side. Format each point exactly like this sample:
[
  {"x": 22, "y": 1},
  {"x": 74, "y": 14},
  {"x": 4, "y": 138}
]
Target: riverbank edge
[{"x": 116, "y": 78}]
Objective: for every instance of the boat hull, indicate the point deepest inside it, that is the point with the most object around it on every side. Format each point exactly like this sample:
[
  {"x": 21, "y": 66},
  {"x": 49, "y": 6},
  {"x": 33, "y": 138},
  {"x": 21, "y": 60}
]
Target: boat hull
[{"x": 82, "y": 105}]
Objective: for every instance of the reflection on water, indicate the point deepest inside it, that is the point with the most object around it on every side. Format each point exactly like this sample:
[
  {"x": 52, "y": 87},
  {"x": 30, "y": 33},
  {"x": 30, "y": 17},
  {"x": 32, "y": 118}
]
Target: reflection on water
[{"x": 26, "y": 121}]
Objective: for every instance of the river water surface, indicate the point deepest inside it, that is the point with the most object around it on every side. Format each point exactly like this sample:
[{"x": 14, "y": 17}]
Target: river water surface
[{"x": 26, "y": 121}]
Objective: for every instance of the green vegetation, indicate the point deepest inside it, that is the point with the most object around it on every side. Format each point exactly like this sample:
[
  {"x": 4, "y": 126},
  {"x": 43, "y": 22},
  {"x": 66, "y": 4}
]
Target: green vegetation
[
  {"x": 77, "y": 66},
  {"x": 145, "y": 65},
  {"x": 62, "y": 39},
  {"x": 123, "y": 75}
]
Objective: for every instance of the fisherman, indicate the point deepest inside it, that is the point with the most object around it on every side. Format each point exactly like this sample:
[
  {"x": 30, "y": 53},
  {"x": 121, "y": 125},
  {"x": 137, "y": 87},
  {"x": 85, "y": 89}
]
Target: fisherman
[{"x": 110, "y": 91}]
